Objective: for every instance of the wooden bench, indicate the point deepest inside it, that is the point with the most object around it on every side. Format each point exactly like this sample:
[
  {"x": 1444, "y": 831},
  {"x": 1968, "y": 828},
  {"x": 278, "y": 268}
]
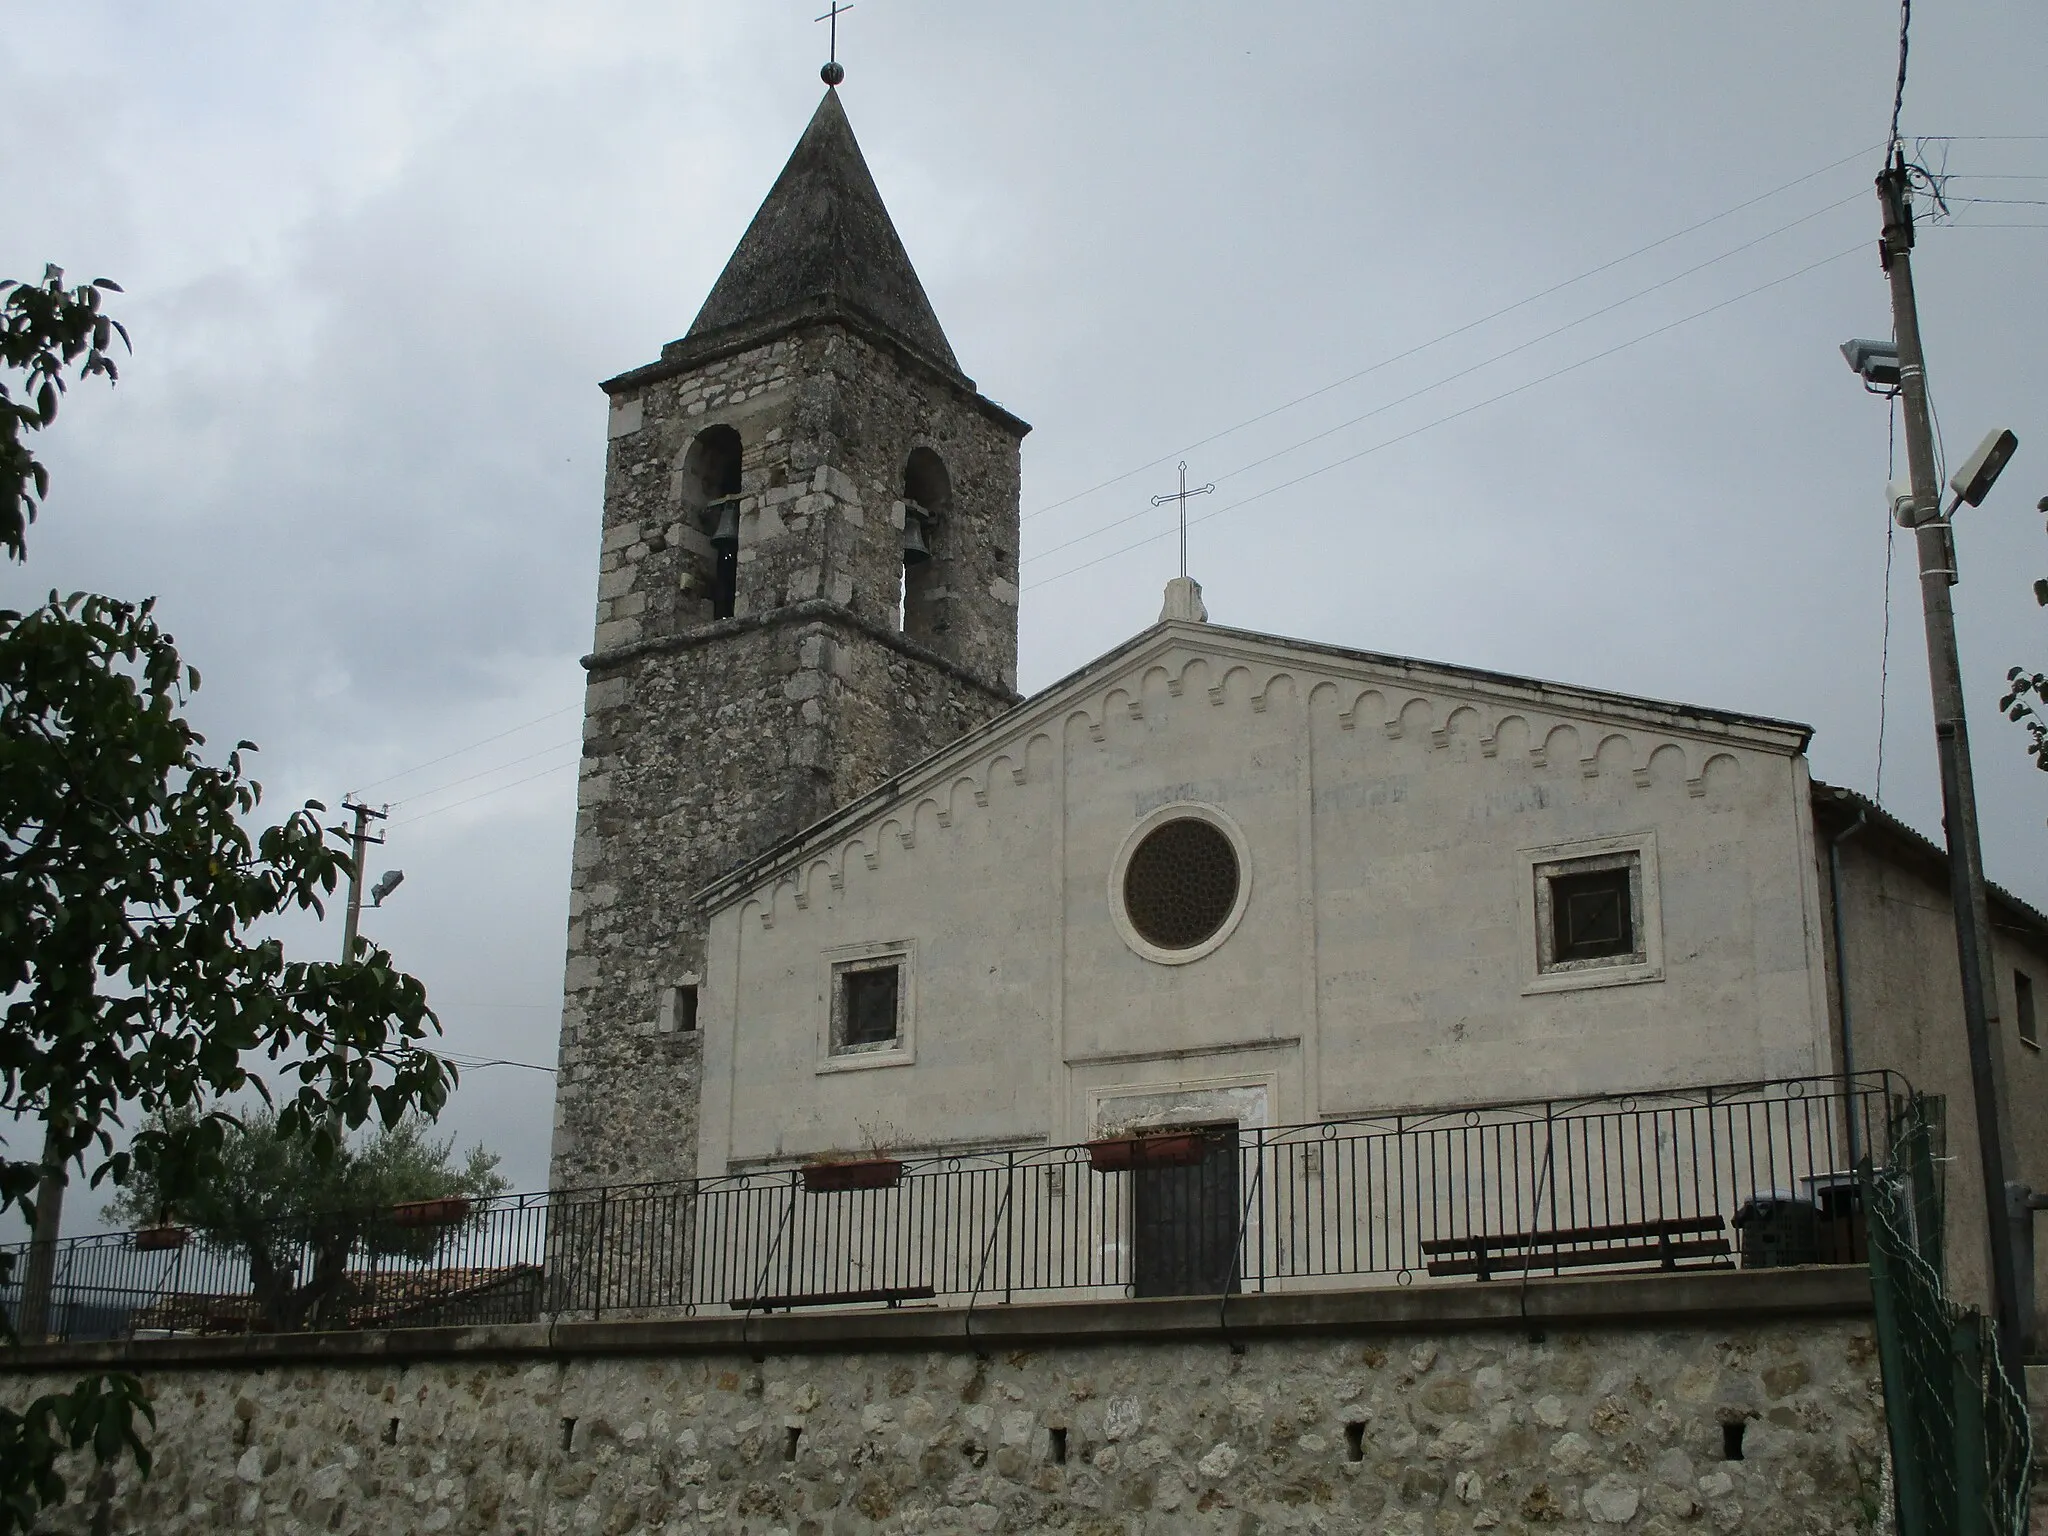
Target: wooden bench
[
  {"x": 893, "y": 1295},
  {"x": 1662, "y": 1243}
]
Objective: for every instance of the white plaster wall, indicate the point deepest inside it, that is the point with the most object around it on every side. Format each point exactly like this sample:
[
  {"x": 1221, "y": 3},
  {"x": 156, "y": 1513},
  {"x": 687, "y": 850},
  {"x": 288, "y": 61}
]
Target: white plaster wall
[{"x": 1385, "y": 954}]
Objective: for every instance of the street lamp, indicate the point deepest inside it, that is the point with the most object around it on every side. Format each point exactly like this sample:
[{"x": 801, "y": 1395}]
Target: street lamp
[{"x": 1876, "y": 361}]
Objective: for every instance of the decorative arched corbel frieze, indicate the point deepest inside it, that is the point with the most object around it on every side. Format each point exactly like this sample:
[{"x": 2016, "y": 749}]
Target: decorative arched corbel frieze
[
  {"x": 809, "y": 880},
  {"x": 1472, "y": 720},
  {"x": 1589, "y": 762},
  {"x": 1489, "y": 744},
  {"x": 1541, "y": 751},
  {"x": 1219, "y": 691},
  {"x": 1698, "y": 785},
  {"x": 1265, "y": 694},
  {"x": 1349, "y": 718},
  {"x": 1663, "y": 756},
  {"x": 1133, "y": 704}
]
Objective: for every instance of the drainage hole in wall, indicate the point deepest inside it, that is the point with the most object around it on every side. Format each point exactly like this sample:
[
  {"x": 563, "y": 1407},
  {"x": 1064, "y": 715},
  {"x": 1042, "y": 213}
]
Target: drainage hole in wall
[
  {"x": 1354, "y": 1442},
  {"x": 391, "y": 1433},
  {"x": 1731, "y": 1440},
  {"x": 568, "y": 1435},
  {"x": 790, "y": 1435},
  {"x": 1058, "y": 1437}
]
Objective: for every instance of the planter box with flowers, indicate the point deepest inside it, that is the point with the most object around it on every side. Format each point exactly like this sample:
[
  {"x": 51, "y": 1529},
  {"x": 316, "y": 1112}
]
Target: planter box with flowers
[
  {"x": 444, "y": 1212},
  {"x": 1161, "y": 1149},
  {"x": 855, "y": 1173}
]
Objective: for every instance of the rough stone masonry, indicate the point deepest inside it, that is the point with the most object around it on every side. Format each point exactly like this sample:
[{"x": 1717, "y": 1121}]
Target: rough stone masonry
[
  {"x": 1625, "y": 1429},
  {"x": 706, "y": 741},
  {"x": 763, "y": 652}
]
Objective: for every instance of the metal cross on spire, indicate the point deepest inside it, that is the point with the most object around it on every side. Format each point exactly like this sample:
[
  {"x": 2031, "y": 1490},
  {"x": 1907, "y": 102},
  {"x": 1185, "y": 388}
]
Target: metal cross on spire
[
  {"x": 833, "y": 72},
  {"x": 1181, "y": 496}
]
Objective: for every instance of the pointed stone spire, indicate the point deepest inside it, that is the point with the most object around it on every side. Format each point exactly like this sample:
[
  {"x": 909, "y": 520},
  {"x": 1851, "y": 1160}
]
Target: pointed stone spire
[
  {"x": 1184, "y": 602},
  {"x": 823, "y": 242}
]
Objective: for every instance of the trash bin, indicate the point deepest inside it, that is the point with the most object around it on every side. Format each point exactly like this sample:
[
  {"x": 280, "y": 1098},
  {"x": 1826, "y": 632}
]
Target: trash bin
[
  {"x": 1777, "y": 1230},
  {"x": 1841, "y": 1235}
]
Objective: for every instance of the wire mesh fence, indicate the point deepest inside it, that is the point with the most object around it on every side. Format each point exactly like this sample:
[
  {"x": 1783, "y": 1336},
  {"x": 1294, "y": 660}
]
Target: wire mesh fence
[
  {"x": 1960, "y": 1435},
  {"x": 1758, "y": 1173}
]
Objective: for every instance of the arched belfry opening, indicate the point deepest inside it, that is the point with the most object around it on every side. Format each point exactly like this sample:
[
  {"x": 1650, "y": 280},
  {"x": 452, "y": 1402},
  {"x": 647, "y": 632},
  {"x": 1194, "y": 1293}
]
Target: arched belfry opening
[
  {"x": 711, "y": 493},
  {"x": 927, "y": 503}
]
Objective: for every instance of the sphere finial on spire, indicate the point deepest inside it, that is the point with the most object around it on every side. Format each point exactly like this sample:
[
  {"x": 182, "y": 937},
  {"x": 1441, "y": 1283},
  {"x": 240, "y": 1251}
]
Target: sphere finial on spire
[{"x": 834, "y": 71}]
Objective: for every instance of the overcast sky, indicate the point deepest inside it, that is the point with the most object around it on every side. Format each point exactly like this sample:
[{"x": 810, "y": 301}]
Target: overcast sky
[{"x": 378, "y": 255}]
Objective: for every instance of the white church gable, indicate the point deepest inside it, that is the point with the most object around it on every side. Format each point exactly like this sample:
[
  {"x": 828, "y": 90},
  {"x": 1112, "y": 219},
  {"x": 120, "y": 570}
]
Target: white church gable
[{"x": 1402, "y": 836}]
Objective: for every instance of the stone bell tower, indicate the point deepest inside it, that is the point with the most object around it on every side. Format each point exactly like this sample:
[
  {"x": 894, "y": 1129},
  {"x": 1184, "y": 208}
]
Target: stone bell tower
[{"x": 808, "y": 582}]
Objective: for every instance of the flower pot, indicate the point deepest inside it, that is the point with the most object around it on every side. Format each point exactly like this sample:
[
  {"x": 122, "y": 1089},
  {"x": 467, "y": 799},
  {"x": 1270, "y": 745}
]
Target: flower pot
[
  {"x": 862, "y": 1173},
  {"x": 161, "y": 1239},
  {"x": 431, "y": 1213},
  {"x": 1172, "y": 1149}
]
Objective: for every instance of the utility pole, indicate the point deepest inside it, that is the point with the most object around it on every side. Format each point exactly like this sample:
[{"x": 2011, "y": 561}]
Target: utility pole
[
  {"x": 359, "y": 846},
  {"x": 360, "y": 838},
  {"x": 2005, "y": 1204}
]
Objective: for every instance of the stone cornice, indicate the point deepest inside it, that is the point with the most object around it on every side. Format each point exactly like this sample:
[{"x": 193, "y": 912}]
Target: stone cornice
[
  {"x": 691, "y": 353},
  {"x": 811, "y": 611},
  {"x": 1618, "y": 1301}
]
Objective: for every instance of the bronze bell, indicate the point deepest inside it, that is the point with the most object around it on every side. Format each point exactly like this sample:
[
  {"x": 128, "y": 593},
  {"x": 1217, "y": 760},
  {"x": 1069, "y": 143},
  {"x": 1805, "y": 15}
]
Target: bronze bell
[
  {"x": 724, "y": 517},
  {"x": 915, "y": 550}
]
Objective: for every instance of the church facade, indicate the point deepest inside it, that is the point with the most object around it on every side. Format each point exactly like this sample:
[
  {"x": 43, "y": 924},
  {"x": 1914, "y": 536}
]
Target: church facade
[{"x": 838, "y": 890}]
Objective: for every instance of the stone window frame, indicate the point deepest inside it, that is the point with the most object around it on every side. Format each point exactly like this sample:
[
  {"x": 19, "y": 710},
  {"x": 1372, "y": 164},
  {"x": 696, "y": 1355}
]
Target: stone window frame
[
  {"x": 1636, "y": 852},
  {"x": 834, "y": 1055},
  {"x": 1178, "y": 810}
]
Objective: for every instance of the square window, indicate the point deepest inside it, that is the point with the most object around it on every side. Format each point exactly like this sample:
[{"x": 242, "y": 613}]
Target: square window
[
  {"x": 869, "y": 993},
  {"x": 1592, "y": 915},
  {"x": 869, "y": 1005},
  {"x": 2023, "y": 1009}
]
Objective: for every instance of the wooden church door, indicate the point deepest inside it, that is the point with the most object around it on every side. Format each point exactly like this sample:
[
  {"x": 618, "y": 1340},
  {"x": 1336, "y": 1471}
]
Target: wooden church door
[{"x": 1184, "y": 1222}]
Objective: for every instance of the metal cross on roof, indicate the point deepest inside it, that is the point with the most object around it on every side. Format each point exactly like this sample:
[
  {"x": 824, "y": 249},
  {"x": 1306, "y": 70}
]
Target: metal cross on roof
[
  {"x": 833, "y": 72},
  {"x": 1181, "y": 496}
]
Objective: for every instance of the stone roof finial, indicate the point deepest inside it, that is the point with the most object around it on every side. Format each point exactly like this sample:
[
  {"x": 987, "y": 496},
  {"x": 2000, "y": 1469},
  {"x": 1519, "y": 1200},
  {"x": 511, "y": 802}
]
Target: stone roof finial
[{"x": 1184, "y": 602}]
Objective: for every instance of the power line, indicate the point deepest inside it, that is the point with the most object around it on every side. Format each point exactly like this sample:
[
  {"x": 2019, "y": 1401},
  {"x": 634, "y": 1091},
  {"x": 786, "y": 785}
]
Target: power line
[
  {"x": 1884, "y": 671},
  {"x": 1470, "y": 325},
  {"x": 1455, "y": 415},
  {"x": 484, "y": 794},
  {"x": 1899, "y": 95},
  {"x": 473, "y": 1063},
  {"x": 484, "y": 773},
  {"x": 464, "y": 751},
  {"x": 1488, "y": 362}
]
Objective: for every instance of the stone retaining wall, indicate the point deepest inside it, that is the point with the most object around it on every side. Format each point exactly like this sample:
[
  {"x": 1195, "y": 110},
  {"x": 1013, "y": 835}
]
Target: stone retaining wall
[{"x": 1626, "y": 1427}]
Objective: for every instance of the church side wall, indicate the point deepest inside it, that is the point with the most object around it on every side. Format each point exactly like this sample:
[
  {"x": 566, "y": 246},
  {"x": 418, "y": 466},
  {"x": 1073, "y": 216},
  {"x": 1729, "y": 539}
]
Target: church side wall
[
  {"x": 1617, "y": 1427},
  {"x": 1905, "y": 1000}
]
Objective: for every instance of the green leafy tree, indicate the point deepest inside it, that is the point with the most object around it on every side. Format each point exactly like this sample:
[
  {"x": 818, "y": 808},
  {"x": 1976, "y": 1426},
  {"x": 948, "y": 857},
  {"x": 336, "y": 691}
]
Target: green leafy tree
[
  {"x": 2026, "y": 693},
  {"x": 275, "y": 1199},
  {"x": 132, "y": 981},
  {"x": 44, "y": 327}
]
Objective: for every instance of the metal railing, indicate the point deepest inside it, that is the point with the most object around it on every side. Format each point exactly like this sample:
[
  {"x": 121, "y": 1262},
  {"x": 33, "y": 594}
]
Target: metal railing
[{"x": 1497, "y": 1190}]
